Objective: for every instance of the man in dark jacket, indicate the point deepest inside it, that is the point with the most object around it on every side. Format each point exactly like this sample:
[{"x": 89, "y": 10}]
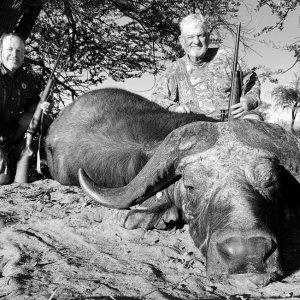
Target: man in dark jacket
[{"x": 19, "y": 98}]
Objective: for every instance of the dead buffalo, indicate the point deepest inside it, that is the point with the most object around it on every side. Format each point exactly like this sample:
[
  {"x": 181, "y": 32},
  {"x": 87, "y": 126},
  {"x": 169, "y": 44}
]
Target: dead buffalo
[{"x": 235, "y": 184}]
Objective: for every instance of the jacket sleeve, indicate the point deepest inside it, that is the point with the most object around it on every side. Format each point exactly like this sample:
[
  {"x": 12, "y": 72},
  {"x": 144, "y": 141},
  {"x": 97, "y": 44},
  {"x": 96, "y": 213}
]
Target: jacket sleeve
[{"x": 165, "y": 92}]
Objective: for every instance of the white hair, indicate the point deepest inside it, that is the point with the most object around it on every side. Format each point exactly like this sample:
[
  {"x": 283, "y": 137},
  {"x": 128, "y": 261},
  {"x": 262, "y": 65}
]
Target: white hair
[{"x": 196, "y": 19}]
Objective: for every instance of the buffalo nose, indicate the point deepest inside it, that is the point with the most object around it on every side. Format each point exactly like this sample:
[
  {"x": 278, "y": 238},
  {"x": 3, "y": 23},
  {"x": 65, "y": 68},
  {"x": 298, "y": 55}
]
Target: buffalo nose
[{"x": 244, "y": 255}]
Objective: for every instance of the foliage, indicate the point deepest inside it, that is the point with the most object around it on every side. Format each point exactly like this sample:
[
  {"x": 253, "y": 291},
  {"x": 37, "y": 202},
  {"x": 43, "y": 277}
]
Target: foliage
[
  {"x": 281, "y": 10},
  {"x": 288, "y": 97},
  {"x": 117, "y": 38},
  {"x": 268, "y": 74},
  {"x": 264, "y": 109}
]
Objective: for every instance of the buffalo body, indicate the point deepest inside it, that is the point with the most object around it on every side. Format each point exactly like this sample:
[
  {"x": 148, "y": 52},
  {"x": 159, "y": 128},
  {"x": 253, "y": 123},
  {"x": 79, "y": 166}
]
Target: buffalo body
[{"x": 236, "y": 184}]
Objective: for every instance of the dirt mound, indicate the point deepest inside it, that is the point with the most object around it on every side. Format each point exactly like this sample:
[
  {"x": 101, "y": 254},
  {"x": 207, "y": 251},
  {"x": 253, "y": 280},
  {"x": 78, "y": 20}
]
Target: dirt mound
[{"x": 56, "y": 243}]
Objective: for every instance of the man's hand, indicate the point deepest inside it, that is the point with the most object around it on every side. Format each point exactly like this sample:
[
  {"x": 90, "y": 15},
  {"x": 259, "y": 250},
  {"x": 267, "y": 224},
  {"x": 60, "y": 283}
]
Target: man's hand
[
  {"x": 238, "y": 109},
  {"x": 46, "y": 107},
  {"x": 179, "y": 108}
]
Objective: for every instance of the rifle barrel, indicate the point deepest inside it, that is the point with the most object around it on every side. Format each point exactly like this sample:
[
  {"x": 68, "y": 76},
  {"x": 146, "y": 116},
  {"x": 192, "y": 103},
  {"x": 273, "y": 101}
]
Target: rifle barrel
[
  {"x": 38, "y": 112},
  {"x": 59, "y": 55},
  {"x": 235, "y": 83},
  {"x": 21, "y": 175},
  {"x": 236, "y": 48}
]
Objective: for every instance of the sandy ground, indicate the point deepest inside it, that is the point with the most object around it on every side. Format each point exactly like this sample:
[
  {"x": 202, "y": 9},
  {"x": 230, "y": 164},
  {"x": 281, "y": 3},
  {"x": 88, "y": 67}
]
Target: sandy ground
[{"x": 55, "y": 243}]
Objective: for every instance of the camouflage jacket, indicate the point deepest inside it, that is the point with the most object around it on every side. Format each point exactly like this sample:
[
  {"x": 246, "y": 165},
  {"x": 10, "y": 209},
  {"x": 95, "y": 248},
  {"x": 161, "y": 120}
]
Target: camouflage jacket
[{"x": 204, "y": 87}]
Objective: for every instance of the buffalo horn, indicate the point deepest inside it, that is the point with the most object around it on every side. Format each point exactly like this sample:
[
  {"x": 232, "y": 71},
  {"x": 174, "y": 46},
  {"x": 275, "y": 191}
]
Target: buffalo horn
[{"x": 159, "y": 171}]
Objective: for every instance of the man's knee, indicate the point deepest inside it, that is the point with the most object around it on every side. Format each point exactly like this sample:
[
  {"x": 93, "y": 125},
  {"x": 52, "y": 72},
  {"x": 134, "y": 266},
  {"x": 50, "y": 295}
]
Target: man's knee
[
  {"x": 4, "y": 170},
  {"x": 4, "y": 179}
]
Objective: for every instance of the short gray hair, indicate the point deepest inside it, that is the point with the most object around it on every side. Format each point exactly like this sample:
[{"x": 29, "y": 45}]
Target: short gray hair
[{"x": 196, "y": 19}]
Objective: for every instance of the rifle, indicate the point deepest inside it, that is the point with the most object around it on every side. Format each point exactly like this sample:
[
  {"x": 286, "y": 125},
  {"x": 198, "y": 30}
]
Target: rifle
[
  {"x": 24, "y": 160},
  {"x": 236, "y": 86}
]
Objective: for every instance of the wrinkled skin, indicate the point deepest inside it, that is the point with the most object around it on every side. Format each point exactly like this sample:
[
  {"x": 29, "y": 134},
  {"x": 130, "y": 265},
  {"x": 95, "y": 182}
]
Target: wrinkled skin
[
  {"x": 235, "y": 199},
  {"x": 233, "y": 224},
  {"x": 236, "y": 184}
]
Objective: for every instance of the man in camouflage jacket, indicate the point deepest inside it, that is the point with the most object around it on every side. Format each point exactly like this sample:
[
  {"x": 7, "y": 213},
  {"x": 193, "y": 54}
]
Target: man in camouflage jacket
[{"x": 200, "y": 81}]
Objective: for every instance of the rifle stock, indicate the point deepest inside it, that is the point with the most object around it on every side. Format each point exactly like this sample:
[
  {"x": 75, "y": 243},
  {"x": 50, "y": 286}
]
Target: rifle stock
[
  {"x": 236, "y": 89},
  {"x": 23, "y": 164}
]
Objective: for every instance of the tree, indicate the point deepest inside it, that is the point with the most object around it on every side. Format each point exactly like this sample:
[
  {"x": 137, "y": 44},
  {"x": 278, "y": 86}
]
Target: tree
[
  {"x": 116, "y": 38},
  {"x": 282, "y": 9},
  {"x": 19, "y": 15},
  {"x": 288, "y": 98}
]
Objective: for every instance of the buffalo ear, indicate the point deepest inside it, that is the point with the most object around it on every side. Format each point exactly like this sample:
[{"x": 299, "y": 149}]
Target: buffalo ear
[
  {"x": 277, "y": 184},
  {"x": 289, "y": 230},
  {"x": 290, "y": 193}
]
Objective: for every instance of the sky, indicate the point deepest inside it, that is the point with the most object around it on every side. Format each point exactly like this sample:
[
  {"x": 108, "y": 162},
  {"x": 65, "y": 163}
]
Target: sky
[
  {"x": 266, "y": 54},
  {"x": 262, "y": 52}
]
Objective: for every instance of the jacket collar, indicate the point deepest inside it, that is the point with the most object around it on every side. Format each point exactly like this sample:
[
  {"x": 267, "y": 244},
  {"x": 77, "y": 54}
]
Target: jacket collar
[{"x": 3, "y": 71}]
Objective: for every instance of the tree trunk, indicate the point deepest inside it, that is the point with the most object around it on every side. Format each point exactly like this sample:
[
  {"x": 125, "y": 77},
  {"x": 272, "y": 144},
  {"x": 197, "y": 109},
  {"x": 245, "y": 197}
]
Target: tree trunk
[
  {"x": 293, "y": 120},
  {"x": 19, "y": 15}
]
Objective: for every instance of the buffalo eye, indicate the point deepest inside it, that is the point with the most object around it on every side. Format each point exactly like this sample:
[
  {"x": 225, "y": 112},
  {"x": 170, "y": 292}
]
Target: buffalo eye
[
  {"x": 189, "y": 183},
  {"x": 196, "y": 177},
  {"x": 190, "y": 188}
]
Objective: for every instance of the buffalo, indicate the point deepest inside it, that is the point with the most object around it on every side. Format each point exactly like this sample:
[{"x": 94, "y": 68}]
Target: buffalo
[{"x": 235, "y": 183}]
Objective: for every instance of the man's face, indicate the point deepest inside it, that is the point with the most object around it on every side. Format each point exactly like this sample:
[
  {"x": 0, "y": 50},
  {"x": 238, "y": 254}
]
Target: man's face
[
  {"x": 12, "y": 55},
  {"x": 194, "y": 41}
]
